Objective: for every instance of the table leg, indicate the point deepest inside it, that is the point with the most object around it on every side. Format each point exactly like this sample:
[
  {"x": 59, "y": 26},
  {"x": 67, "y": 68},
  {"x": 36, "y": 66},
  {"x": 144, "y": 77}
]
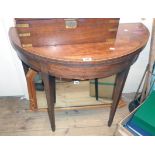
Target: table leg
[
  {"x": 30, "y": 75},
  {"x": 31, "y": 89},
  {"x": 96, "y": 88},
  {"x": 119, "y": 84},
  {"x": 49, "y": 86},
  {"x": 25, "y": 67}
]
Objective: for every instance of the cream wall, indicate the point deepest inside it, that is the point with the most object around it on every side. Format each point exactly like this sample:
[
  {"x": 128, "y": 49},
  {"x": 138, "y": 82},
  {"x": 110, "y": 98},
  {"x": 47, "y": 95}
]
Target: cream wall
[{"x": 12, "y": 80}]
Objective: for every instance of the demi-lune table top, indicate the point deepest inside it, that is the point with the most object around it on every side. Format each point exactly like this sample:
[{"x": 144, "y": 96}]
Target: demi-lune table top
[{"x": 130, "y": 38}]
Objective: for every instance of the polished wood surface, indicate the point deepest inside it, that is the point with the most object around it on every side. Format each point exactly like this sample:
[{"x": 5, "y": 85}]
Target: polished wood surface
[
  {"x": 45, "y": 32},
  {"x": 96, "y": 48},
  {"x": 104, "y": 56}
]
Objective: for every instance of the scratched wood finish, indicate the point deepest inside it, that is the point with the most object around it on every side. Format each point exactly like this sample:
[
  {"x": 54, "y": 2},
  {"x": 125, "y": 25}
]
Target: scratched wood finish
[{"x": 106, "y": 54}]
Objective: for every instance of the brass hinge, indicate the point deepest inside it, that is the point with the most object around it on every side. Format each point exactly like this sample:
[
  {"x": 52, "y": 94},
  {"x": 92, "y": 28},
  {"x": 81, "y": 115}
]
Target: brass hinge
[
  {"x": 113, "y": 29},
  {"x": 70, "y": 23},
  {"x": 110, "y": 40},
  {"x": 113, "y": 21},
  {"x": 22, "y": 25},
  {"x": 24, "y": 34},
  {"x": 26, "y": 45}
]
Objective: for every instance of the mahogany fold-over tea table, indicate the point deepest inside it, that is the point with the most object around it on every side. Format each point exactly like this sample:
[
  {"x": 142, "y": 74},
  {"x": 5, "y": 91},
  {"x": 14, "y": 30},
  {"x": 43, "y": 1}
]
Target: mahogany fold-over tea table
[{"x": 78, "y": 49}]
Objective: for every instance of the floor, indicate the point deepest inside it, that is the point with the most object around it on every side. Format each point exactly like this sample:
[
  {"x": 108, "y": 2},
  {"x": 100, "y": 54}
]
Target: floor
[{"x": 17, "y": 119}]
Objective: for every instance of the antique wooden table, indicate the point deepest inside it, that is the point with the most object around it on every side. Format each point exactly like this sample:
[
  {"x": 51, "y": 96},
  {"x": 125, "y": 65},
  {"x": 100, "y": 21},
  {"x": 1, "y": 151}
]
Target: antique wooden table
[{"x": 80, "y": 49}]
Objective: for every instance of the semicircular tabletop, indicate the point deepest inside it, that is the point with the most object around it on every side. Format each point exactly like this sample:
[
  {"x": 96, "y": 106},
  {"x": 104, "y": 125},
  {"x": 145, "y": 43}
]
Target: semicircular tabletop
[{"x": 130, "y": 39}]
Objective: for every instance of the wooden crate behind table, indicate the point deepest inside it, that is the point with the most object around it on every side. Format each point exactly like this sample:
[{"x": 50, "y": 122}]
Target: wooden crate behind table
[{"x": 105, "y": 87}]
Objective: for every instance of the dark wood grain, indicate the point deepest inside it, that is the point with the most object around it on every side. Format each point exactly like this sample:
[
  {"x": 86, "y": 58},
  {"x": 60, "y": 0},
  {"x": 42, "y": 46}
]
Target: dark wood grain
[
  {"x": 54, "y": 32},
  {"x": 25, "y": 67},
  {"x": 58, "y": 52},
  {"x": 49, "y": 84},
  {"x": 119, "y": 85}
]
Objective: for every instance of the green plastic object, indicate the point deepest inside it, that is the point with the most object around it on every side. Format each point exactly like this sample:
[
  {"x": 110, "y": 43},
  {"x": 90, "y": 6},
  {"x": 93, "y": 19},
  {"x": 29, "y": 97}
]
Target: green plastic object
[{"x": 144, "y": 117}]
